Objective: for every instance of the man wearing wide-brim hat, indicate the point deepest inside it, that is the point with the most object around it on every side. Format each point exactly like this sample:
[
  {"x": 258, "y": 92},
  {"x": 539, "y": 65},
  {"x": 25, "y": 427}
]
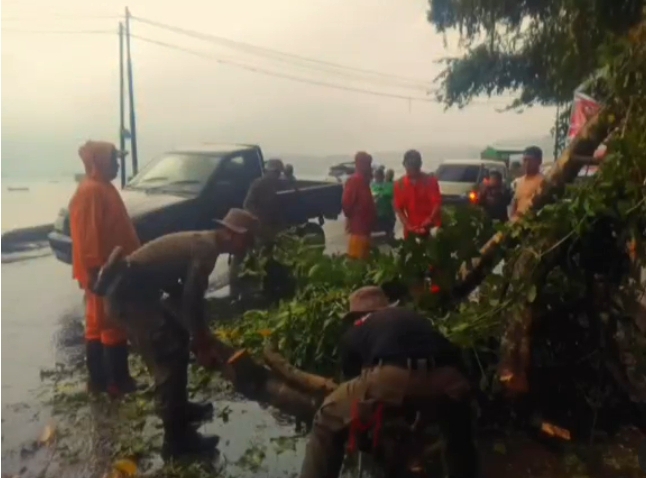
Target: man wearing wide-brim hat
[
  {"x": 178, "y": 264},
  {"x": 395, "y": 359}
]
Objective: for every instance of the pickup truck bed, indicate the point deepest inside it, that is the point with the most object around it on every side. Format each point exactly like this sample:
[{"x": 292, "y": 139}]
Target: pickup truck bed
[
  {"x": 311, "y": 199},
  {"x": 157, "y": 211}
]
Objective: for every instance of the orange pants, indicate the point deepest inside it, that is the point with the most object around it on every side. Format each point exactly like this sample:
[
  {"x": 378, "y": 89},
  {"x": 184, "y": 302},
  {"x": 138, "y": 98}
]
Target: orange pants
[
  {"x": 97, "y": 325},
  {"x": 359, "y": 247}
]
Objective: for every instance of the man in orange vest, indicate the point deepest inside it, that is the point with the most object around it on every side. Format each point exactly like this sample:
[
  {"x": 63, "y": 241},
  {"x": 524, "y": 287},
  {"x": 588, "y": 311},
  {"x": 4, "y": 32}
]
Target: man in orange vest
[{"x": 418, "y": 202}]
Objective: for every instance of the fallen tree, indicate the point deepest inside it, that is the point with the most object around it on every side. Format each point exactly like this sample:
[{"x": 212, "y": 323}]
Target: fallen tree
[{"x": 564, "y": 301}]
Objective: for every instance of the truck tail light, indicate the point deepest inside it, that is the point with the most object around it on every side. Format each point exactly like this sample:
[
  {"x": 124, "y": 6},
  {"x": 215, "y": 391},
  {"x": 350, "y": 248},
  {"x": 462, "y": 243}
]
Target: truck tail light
[{"x": 473, "y": 197}]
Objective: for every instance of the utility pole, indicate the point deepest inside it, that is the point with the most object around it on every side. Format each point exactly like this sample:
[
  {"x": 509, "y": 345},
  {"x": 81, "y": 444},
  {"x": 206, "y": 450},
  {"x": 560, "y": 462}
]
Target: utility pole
[
  {"x": 122, "y": 107},
  {"x": 133, "y": 123},
  {"x": 556, "y": 132}
]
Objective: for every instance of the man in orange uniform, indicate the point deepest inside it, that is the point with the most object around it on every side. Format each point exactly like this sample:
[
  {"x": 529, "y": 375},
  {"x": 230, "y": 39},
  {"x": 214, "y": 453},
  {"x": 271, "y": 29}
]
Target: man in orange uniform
[
  {"x": 418, "y": 202},
  {"x": 359, "y": 207},
  {"x": 99, "y": 222}
]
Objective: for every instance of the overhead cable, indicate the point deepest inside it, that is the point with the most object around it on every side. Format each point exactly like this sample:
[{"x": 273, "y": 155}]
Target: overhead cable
[
  {"x": 263, "y": 71},
  {"x": 57, "y": 16},
  {"x": 278, "y": 74},
  {"x": 291, "y": 58},
  {"x": 61, "y": 32}
]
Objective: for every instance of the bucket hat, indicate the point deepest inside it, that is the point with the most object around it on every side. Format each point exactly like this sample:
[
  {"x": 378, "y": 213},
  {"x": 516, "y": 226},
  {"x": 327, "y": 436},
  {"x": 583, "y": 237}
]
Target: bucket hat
[
  {"x": 368, "y": 299},
  {"x": 240, "y": 221}
]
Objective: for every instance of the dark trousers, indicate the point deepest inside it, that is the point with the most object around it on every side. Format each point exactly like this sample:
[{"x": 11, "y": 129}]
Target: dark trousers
[
  {"x": 160, "y": 339},
  {"x": 442, "y": 392},
  {"x": 165, "y": 352}
]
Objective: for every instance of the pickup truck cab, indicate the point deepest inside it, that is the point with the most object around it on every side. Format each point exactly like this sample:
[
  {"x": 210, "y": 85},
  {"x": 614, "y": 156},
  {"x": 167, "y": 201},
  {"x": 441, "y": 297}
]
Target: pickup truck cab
[
  {"x": 459, "y": 179},
  {"x": 188, "y": 188}
]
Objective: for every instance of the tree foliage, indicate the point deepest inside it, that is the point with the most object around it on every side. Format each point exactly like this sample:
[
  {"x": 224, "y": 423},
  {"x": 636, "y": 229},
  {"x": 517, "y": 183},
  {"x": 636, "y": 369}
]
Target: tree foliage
[
  {"x": 568, "y": 264},
  {"x": 544, "y": 49}
]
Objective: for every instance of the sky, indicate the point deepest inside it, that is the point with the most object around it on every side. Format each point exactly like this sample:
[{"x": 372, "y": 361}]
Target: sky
[{"x": 59, "y": 90}]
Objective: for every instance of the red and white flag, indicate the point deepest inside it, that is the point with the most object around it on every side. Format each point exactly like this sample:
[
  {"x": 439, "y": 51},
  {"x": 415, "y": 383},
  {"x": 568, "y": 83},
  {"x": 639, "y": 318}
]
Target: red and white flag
[{"x": 583, "y": 108}]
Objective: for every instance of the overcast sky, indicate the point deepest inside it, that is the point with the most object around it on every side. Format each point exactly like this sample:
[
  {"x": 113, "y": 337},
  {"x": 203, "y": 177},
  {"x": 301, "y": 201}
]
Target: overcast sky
[{"x": 59, "y": 90}]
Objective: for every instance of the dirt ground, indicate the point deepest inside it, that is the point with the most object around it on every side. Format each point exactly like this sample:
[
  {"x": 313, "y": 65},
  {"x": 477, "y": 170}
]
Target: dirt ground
[{"x": 519, "y": 457}]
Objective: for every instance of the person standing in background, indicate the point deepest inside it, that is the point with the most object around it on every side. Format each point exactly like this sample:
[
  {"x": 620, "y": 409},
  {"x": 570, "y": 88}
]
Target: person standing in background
[
  {"x": 99, "y": 222},
  {"x": 289, "y": 173},
  {"x": 359, "y": 207},
  {"x": 383, "y": 195},
  {"x": 390, "y": 176},
  {"x": 495, "y": 198},
  {"x": 417, "y": 198},
  {"x": 528, "y": 184},
  {"x": 263, "y": 202}
]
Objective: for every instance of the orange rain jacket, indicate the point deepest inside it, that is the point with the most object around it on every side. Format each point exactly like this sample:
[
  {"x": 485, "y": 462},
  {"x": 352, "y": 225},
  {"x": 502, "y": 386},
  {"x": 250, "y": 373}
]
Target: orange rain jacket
[{"x": 98, "y": 218}]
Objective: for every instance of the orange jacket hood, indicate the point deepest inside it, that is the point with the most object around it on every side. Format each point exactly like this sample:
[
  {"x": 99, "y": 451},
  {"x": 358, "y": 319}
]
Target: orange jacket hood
[{"x": 97, "y": 159}]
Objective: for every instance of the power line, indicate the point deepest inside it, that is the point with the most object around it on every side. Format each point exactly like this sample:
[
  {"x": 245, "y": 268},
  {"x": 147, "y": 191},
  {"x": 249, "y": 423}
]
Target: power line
[
  {"x": 280, "y": 75},
  {"x": 263, "y": 71},
  {"x": 289, "y": 57},
  {"x": 61, "y": 32},
  {"x": 252, "y": 68},
  {"x": 59, "y": 16}
]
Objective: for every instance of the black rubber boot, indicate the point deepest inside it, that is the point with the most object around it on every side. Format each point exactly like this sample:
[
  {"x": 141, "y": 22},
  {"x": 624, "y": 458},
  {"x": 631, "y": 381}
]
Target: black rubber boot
[
  {"x": 119, "y": 380},
  {"x": 198, "y": 412},
  {"x": 97, "y": 381},
  {"x": 182, "y": 440}
]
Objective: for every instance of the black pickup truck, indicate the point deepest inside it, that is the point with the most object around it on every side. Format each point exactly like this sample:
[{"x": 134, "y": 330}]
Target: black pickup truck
[{"x": 188, "y": 188}]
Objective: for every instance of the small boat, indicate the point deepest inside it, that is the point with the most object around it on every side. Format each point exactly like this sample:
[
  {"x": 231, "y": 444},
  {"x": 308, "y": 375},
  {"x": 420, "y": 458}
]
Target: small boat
[
  {"x": 17, "y": 188},
  {"x": 341, "y": 170}
]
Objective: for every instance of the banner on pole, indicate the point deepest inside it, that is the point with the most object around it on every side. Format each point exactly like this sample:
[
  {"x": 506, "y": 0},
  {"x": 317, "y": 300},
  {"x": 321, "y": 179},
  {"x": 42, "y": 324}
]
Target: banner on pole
[{"x": 583, "y": 108}]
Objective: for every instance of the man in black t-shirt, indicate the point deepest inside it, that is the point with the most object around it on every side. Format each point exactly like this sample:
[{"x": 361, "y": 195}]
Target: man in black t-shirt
[
  {"x": 495, "y": 198},
  {"x": 393, "y": 357}
]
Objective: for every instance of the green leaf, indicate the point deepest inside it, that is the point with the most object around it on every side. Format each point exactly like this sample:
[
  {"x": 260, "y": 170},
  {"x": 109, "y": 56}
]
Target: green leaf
[{"x": 531, "y": 294}]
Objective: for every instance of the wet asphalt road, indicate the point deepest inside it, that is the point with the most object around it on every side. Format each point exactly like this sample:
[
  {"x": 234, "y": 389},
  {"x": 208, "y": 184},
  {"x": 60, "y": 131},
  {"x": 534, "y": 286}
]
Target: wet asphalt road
[{"x": 42, "y": 316}]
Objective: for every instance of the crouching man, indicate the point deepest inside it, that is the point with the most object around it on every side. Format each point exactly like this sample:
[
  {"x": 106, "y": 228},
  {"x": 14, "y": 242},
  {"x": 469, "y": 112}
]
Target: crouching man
[
  {"x": 178, "y": 264},
  {"x": 395, "y": 358}
]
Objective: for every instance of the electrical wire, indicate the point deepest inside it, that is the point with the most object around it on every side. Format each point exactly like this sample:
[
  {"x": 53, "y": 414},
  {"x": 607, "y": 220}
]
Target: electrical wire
[
  {"x": 256, "y": 69},
  {"x": 61, "y": 32},
  {"x": 293, "y": 59},
  {"x": 59, "y": 16},
  {"x": 263, "y": 71},
  {"x": 277, "y": 74}
]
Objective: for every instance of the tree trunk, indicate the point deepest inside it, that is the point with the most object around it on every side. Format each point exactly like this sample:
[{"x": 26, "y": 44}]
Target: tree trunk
[
  {"x": 309, "y": 383},
  {"x": 261, "y": 384}
]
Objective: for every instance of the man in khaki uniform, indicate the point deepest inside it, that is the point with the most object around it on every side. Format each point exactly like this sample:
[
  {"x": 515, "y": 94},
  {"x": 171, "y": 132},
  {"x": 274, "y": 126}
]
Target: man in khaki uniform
[
  {"x": 178, "y": 264},
  {"x": 262, "y": 201},
  {"x": 393, "y": 357}
]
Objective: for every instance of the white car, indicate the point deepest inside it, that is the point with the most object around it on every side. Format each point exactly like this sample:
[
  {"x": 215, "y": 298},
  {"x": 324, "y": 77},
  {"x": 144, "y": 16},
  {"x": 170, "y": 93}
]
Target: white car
[{"x": 459, "y": 179}]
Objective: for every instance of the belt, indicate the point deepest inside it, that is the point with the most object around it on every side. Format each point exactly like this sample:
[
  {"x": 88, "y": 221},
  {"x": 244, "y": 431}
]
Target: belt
[{"x": 408, "y": 363}]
